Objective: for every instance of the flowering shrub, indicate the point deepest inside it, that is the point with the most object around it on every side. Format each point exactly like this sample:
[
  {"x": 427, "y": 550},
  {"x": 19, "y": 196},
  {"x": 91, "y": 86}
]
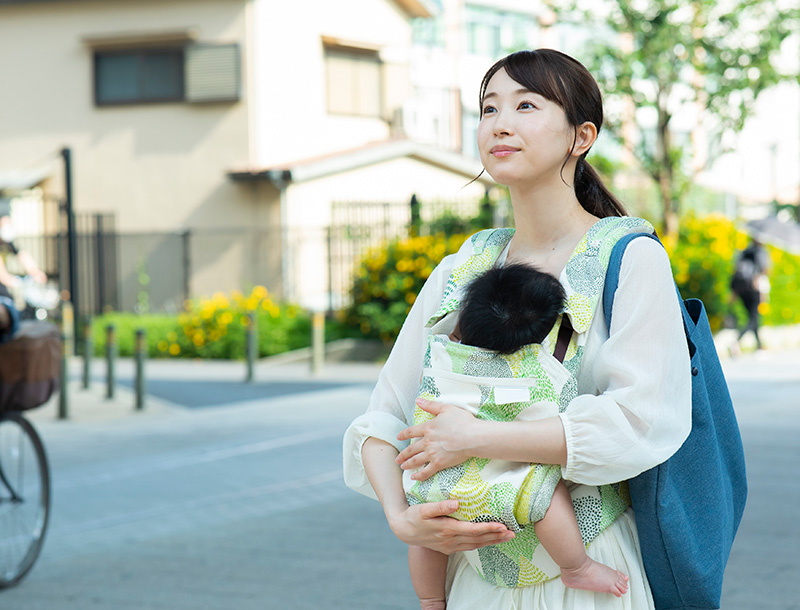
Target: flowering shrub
[
  {"x": 212, "y": 327},
  {"x": 703, "y": 257},
  {"x": 388, "y": 279}
]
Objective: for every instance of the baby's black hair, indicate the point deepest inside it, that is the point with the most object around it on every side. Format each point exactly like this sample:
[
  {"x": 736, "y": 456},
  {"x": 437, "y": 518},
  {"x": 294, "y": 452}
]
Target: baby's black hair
[{"x": 508, "y": 307}]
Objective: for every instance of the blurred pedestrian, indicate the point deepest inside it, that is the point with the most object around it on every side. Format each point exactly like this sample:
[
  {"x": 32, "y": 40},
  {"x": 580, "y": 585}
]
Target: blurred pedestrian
[{"x": 750, "y": 284}]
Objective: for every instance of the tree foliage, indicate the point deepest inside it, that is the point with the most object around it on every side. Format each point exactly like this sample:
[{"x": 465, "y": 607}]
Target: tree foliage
[{"x": 662, "y": 57}]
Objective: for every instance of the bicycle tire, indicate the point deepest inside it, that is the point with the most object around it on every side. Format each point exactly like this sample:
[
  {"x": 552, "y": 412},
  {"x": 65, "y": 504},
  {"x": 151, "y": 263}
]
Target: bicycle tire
[{"x": 24, "y": 497}]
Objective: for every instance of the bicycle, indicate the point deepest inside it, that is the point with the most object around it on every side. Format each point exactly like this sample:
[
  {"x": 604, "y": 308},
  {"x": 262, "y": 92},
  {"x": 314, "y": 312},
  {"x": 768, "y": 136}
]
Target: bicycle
[
  {"x": 24, "y": 497},
  {"x": 30, "y": 372}
]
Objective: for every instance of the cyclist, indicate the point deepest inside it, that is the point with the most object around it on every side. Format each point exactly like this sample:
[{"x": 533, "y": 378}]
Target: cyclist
[{"x": 7, "y": 246}]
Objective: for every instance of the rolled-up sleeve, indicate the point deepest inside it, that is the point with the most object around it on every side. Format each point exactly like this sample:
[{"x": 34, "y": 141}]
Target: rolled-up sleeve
[
  {"x": 633, "y": 410},
  {"x": 391, "y": 405}
]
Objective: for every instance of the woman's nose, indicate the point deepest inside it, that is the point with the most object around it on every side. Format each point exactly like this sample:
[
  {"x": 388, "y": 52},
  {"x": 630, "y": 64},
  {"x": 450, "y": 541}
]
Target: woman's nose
[{"x": 502, "y": 126}]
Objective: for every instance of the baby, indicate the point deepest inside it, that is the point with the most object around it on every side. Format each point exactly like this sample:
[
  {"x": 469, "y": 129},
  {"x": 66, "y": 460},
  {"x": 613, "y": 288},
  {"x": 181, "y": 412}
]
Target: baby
[{"x": 503, "y": 310}]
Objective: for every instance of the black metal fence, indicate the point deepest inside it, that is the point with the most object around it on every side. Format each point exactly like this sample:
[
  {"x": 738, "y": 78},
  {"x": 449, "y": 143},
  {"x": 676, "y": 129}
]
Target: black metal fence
[{"x": 158, "y": 271}]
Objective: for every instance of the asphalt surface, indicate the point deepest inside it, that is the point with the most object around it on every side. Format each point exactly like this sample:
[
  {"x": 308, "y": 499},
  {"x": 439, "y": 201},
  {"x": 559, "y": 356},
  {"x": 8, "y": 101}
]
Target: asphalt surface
[{"x": 226, "y": 495}]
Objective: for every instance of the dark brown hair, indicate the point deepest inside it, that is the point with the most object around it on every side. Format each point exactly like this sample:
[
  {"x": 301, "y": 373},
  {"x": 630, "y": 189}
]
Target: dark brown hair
[
  {"x": 565, "y": 81},
  {"x": 510, "y": 306}
]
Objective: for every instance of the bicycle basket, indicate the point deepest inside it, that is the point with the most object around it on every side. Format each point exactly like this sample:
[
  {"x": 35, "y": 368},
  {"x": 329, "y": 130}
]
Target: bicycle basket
[{"x": 30, "y": 366}]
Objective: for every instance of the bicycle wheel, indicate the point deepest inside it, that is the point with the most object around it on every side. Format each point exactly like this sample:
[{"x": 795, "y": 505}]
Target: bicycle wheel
[{"x": 24, "y": 497}]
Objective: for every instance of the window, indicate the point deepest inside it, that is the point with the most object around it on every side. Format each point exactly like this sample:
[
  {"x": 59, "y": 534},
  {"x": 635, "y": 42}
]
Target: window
[
  {"x": 493, "y": 33},
  {"x": 353, "y": 81},
  {"x": 191, "y": 73},
  {"x": 144, "y": 75}
]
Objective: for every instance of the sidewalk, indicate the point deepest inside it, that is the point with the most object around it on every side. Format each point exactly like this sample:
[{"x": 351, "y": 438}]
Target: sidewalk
[
  {"x": 773, "y": 338},
  {"x": 181, "y": 386}
]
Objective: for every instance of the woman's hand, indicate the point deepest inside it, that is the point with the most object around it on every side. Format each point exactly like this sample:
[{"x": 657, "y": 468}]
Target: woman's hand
[
  {"x": 440, "y": 443},
  {"x": 428, "y": 525}
]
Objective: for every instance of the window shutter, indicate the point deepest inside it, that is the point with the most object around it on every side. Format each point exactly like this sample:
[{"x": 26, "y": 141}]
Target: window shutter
[{"x": 213, "y": 73}]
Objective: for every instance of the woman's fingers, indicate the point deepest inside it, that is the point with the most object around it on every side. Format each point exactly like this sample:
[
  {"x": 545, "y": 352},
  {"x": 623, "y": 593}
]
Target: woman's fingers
[
  {"x": 438, "y": 509},
  {"x": 431, "y": 406},
  {"x": 408, "y": 453},
  {"x": 428, "y": 525},
  {"x": 466, "y": 536},
  {"x": 425, "y": 473}
]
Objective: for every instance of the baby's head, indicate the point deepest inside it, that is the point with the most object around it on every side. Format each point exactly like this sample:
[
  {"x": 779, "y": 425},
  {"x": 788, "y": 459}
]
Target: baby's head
[{"x": 508, "y": 307}]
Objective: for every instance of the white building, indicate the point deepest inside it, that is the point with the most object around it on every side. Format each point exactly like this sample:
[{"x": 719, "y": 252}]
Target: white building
[{"x": 216, "y": 117}]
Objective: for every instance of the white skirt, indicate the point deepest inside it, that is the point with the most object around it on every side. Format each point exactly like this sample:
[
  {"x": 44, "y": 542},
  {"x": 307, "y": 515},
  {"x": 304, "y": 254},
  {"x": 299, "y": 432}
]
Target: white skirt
[{"x": 617, "y": 546}]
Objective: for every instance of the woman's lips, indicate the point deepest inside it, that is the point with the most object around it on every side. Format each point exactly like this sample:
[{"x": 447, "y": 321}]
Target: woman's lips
[{"x": 503, "y": 151}]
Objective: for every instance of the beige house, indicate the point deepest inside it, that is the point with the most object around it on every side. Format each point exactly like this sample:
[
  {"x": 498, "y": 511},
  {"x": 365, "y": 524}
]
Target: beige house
[{"x": 216, "y": 120}]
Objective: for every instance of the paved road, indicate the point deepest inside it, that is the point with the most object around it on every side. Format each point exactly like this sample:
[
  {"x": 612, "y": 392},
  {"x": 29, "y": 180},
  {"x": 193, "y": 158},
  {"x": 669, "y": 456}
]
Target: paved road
[{"x": 241, "y": 505}]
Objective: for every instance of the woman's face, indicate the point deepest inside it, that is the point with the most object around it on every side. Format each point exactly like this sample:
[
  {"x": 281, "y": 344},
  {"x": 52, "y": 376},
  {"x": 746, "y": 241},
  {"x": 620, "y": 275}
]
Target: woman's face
[{"x": 523, "y": 138}]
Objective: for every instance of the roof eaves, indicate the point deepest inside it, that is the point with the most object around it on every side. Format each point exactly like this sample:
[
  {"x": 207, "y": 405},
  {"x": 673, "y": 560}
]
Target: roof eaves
[{"x": 304, "y": 171}]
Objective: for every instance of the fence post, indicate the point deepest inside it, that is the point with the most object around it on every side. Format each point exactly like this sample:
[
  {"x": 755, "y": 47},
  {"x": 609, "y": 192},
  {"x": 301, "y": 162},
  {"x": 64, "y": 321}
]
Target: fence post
[
  {"x": 140, "y": 353},
  {"x": 251, "y": 345},
  {"x": 111, "y": 349},
  {"x": 317, "y": 341},
  {"x": 88, "y": 351},
  {"x": 416, "y": 220}
]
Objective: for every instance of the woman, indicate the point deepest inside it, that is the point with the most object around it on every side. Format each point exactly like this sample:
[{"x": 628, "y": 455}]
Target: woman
[{"x": 540, "y": 114}]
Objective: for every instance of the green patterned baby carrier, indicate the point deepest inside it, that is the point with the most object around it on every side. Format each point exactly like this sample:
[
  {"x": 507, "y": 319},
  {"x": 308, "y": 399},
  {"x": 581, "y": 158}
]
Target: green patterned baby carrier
[{"x": 528, "y": 384}]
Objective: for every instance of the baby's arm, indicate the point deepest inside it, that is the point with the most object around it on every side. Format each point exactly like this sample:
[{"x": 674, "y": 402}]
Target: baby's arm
[{"x": 428, "y": 570}]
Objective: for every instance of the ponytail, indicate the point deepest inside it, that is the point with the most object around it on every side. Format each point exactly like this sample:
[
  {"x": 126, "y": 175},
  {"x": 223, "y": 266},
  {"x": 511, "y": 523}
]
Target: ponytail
[{"x": 593, "y": 195}]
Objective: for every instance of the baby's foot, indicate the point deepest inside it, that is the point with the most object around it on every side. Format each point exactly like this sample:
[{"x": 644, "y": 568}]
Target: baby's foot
[
  {"x": 594, "y": 576},
  {"x": 432, "y": 604}
]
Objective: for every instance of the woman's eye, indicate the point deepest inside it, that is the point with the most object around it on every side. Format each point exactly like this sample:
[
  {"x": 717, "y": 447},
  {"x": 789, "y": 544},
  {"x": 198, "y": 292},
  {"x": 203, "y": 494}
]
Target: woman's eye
[
  {"x": 488, "y": 110},
  {"x": 526, "y": 106}
]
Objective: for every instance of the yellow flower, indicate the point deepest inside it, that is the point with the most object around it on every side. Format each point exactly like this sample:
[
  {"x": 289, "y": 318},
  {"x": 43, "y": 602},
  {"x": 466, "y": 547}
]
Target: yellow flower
[
  {"x": 174, "y": 349},
  {"x": 260, "y": 292}
]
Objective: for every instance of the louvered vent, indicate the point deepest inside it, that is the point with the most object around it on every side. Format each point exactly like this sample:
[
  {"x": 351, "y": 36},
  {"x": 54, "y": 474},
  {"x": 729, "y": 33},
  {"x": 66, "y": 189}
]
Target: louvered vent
[{"x": 213, "y": 73}]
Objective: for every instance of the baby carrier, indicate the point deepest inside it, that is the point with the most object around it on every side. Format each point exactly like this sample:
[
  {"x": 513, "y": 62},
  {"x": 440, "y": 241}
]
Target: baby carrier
[{"x": 528, "y": 384}]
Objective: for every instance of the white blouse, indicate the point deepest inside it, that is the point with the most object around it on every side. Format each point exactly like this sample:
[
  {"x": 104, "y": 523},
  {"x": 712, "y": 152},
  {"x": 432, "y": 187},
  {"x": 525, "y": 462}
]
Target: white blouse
[{"x": 633, "y": 410}]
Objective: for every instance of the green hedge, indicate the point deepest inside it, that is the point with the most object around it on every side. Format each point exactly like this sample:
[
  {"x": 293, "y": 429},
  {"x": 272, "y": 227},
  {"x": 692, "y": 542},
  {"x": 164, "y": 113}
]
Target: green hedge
[
  {"x": 702, "y": 255},
  {"x": 215, "y": 327}
]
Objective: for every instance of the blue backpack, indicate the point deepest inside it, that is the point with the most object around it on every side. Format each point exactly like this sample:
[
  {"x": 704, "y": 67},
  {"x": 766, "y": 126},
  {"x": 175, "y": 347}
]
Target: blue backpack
[{"x": 689, "y": 508}]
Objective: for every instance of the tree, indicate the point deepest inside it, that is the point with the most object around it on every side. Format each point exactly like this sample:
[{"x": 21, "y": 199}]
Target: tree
[{"x": 671, "y": 55}]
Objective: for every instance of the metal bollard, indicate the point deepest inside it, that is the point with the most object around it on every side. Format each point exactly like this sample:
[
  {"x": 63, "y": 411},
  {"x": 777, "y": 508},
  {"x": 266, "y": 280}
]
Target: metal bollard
[
  {"x": 67, "y": 320},
  {"x": 251, "y": 345},
  {"x": 111, "y": 352},
  {"x": 88, "y": 352},
  {"x": 63, "y": 398},
  {"x": 140, "y": 354},
  {"x": 317, "y": 341}
]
